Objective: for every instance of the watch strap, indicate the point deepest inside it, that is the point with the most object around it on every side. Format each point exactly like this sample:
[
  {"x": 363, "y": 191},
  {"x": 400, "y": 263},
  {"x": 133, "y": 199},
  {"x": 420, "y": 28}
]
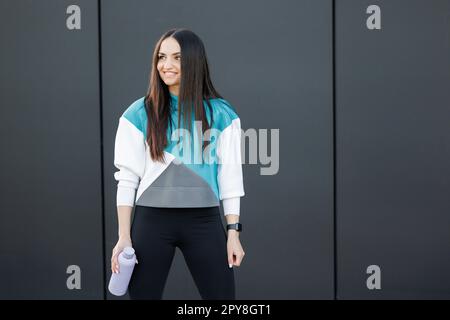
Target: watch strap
[{"x": 235, "y": 226}]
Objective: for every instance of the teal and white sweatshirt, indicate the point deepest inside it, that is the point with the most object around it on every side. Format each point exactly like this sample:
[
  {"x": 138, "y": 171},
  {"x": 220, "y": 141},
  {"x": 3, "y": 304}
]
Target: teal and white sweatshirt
[{"x": 186, "y": 179}]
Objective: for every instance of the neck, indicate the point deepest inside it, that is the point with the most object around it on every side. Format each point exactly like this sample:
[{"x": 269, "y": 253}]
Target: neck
[{"x": 174, "y": 90}]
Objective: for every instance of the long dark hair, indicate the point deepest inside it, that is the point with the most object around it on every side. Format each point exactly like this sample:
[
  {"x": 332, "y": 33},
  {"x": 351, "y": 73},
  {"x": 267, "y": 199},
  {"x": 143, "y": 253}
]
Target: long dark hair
[{"x": 195, "y": 85}]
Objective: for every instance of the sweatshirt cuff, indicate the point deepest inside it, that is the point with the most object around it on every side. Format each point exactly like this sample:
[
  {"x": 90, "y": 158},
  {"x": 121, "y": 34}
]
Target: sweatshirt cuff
[
  {"x": 231, "y": 205},
  {"x": 125, "y": 196}
]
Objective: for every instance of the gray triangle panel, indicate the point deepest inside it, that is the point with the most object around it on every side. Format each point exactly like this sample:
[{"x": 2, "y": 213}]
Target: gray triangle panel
[{"x": 178, "y": 186}]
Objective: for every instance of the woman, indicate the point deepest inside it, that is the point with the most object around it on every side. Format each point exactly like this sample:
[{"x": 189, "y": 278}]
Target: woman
[{"x": 176, "y": 176}]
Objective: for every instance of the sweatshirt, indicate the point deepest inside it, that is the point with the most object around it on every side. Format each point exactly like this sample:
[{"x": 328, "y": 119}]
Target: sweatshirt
[{"x": 191, "y": 177}]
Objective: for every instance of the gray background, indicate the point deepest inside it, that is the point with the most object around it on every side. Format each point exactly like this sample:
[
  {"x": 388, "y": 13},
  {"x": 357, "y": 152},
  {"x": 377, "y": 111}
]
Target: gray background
[
  {"x": 51, "y": 194},
  {"x": 393, "y": 149},
  {"x": 364, "y": 142}
]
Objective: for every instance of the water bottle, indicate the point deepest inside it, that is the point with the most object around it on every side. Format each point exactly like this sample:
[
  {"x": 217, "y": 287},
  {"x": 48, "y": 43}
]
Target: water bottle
[{"x": 118, "y": 284}]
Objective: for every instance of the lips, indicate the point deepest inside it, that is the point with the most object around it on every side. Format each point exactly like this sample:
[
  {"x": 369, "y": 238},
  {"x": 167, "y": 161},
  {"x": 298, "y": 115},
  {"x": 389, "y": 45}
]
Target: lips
[{"x": 170, "y": 74}]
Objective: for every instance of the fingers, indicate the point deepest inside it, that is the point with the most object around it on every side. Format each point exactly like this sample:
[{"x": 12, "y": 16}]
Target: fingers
[
  {"x": 235, "y": 258},
  {"x": 239, "y": 256},
  {"x": 114, "y": 266},
  {"x": 235, "y": 254},
  {"x": 114, "y": 263},
  {"x": 230, "y": 258}
]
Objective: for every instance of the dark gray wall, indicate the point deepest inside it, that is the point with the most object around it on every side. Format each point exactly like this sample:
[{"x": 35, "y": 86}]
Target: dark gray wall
[
  {"x": 265, "y": 59},
  {"x": 320, "y": 222},
  {"x": 392, "y": 144},
  {"x": 51, "y": 194}
]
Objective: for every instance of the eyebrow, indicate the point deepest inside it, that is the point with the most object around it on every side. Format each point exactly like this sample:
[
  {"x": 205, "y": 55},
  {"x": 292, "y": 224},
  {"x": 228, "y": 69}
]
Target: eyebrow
[{"x": 172, "y": 53}]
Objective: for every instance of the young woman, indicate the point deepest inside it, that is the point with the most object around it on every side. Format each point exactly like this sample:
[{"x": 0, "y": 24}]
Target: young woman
[{"x": 178, "y": 152}]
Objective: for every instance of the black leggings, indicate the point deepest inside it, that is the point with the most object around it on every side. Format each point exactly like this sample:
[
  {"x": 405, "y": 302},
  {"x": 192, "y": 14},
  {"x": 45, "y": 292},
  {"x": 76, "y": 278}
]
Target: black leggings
[{"x": 201, "y": 237}]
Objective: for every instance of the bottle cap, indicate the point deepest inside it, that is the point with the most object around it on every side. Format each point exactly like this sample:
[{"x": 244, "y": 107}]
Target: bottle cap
[{"x": 128, "y": 252}]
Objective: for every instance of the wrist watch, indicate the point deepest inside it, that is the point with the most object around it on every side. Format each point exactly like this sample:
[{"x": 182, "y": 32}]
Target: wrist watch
[{"x": 235, "y": 226}]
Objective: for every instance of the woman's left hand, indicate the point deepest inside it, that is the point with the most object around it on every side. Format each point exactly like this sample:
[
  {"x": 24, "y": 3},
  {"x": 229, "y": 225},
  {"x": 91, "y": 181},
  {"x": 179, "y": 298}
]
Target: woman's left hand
[{"x": 234, "y": 249}]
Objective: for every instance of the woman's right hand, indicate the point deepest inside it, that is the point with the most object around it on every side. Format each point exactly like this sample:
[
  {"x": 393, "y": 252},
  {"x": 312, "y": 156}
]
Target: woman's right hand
[{"x": 121, "y": 244}]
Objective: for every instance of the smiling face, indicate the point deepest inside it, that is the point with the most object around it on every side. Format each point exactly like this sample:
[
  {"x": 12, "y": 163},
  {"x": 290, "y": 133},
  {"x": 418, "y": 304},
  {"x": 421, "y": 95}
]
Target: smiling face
[{"x": 169, "y": 64}]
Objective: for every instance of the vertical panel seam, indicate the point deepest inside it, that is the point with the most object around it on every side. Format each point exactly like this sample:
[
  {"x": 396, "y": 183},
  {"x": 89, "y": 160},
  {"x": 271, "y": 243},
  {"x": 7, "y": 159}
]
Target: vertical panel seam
[
  {"x": 101, "y": 146},
  {"x": 333, "y": 28}
]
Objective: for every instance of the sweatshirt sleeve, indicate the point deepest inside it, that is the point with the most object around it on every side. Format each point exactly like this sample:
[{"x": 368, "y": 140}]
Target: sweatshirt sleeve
[
  {"x": 229, "y": 176},
  {"x": 129, "y": 158}
]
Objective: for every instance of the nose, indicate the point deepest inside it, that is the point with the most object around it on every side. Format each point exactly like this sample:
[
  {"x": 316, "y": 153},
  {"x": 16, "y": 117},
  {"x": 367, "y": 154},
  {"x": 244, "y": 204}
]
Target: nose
[{"x": 167, "y": 64}]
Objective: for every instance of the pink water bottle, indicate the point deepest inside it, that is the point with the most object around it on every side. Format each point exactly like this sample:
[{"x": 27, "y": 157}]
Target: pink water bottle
[{"x": 118, "y": 284}]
